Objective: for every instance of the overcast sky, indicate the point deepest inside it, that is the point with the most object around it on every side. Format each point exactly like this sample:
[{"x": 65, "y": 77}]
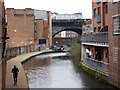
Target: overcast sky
[{"x": 59, "y": 6}]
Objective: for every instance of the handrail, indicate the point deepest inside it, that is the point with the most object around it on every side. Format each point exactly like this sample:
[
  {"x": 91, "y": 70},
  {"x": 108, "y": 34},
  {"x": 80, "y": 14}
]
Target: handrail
[{"x": 94, "y": 63}]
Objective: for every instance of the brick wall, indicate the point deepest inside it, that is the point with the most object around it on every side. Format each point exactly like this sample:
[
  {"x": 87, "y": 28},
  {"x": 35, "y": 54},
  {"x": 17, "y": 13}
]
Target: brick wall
[
  {"x": 104, "y": 15},
  {"x": 50, "y": 28},
  {"x": 20, "y": 28},
  {"x": 114, "y": 45},
  {"x": 64, "y": 41},
  {"x": 43, "y": 26}
]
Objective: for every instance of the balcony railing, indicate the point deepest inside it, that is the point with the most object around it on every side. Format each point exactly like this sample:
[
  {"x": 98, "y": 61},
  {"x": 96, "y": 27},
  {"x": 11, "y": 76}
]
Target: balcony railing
[
  {"x": 101, "y": 37},
  {"x": 96, "y": 64}
]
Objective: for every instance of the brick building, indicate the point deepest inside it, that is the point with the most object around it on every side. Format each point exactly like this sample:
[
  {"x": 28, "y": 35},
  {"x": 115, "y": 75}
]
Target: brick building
[
  {"x": 102, "y": 46},
  {"x": 43, "y": 26},
  {"x": 114, "y": 39},
  {"x": 27, "y": 26},
  {"x": 20, "y": 23},
  {"x": 65, "y": 41}
]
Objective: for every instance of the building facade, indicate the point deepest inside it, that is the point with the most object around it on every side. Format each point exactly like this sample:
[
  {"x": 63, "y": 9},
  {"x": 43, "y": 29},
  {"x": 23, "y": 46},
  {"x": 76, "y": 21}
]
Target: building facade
[
  {"x": 100, "y": 50},
  {"x": 43, "y": 26},
  {"x": 114, "y": 39},
  {"x": 20, "y": 23},
  {"x": 65, "y": 41},
  {"x": 28, "y": 26}
]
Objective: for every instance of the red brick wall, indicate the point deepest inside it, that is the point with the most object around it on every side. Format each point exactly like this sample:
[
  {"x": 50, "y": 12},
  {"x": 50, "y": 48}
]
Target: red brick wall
[
  {"x": 24, "y": 26},
  {"x": 104, "y": 16},
  {"x": 114, "y": 68}
]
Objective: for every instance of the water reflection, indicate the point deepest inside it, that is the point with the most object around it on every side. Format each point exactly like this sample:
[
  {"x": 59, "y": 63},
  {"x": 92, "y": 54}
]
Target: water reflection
[{"x": 53, "y": 71}]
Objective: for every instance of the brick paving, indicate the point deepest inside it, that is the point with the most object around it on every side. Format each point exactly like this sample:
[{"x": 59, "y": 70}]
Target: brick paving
[{"x": 22, "y": 79}]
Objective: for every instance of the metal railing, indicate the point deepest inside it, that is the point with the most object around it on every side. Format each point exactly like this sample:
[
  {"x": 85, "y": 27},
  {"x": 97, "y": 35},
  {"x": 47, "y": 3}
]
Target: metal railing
[
  {"x": 101, "y": 37},
  {"x": 98, "y": 65}
]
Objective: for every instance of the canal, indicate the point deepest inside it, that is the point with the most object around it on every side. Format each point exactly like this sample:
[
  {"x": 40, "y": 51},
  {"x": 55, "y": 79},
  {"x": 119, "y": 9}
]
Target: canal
[{"x": 55, "y": 70}]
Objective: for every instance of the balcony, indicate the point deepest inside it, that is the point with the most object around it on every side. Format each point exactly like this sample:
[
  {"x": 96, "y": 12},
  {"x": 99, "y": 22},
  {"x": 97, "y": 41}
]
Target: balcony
[
  {"x": 96, "y": 64},
  {"x": 101, "y": 37},
  {"x": 98, "y": 19}
]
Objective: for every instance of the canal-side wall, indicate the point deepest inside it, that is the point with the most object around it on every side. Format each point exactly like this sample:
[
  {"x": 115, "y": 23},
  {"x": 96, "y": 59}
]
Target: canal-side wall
[
  {"x": 22, "y": 79},
  {"x": 94, "y": 72},
  {"x": 97, "y": 74}
]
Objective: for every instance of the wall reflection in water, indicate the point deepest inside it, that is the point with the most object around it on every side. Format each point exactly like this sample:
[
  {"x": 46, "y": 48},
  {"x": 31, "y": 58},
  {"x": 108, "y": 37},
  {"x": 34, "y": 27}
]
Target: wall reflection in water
[{"x": 33, "y": 63}]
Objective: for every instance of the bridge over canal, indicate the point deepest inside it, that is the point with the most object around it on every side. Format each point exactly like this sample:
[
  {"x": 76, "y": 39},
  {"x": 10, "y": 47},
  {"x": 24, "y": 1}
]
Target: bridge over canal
[{"x": 74, "y": 25}]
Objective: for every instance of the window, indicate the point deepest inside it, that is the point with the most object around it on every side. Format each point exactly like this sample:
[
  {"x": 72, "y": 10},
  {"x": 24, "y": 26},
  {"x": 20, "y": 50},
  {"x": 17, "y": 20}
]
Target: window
[
  {"x": 106, "y": 9},
  {"x": 29, "y": 14},
  {"x": 99, "y": 9},
  {"x": 18, "y": 14},
  {"x": 95, "y": 29},
  {"x": 116, "y": 25},
  {"x": 35, "y": 31},
  {"x": 95, "y": 12},
  {"x": 35, "y": 23}
]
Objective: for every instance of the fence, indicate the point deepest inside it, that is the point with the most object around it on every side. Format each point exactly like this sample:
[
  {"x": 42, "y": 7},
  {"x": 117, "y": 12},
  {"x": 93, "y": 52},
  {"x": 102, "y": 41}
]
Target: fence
[
  {"x": 14, "y": 51},
  {"x": 98, "y": 65}
]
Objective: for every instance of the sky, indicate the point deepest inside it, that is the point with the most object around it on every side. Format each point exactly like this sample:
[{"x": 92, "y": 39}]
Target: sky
[{"x": 59, "y": 6}]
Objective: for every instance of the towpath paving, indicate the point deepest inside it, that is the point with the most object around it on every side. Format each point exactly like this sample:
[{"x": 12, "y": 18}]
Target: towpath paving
[{"x": 22, "y": 79}]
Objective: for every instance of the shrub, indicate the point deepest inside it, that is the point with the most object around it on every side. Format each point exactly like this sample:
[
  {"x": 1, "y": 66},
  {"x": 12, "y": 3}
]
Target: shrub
[{"x": 75, "y": 51}]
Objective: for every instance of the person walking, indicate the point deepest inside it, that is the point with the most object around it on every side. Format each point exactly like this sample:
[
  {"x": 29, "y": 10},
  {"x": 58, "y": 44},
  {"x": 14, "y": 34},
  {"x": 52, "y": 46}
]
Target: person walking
[{"x": 15, "y": 71}]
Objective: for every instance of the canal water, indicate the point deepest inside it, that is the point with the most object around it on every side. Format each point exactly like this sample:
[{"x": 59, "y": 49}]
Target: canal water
[{"x": 56, "y": 71}]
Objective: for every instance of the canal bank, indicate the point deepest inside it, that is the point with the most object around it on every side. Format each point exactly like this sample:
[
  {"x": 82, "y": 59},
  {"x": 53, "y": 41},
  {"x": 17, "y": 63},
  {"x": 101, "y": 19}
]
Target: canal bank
[
  {"x": 97, "y": 74},
  {"x": 91, "y": 67},
  {"x": 22, "y": 79}
]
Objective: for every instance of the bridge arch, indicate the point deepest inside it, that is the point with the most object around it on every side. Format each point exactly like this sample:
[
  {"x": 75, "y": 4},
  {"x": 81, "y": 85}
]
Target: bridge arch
[{"x": 77, "y": 30}]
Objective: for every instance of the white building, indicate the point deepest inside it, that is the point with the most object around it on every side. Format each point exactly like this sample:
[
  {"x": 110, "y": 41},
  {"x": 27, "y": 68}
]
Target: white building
[{"x": 67, "y": 16}]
